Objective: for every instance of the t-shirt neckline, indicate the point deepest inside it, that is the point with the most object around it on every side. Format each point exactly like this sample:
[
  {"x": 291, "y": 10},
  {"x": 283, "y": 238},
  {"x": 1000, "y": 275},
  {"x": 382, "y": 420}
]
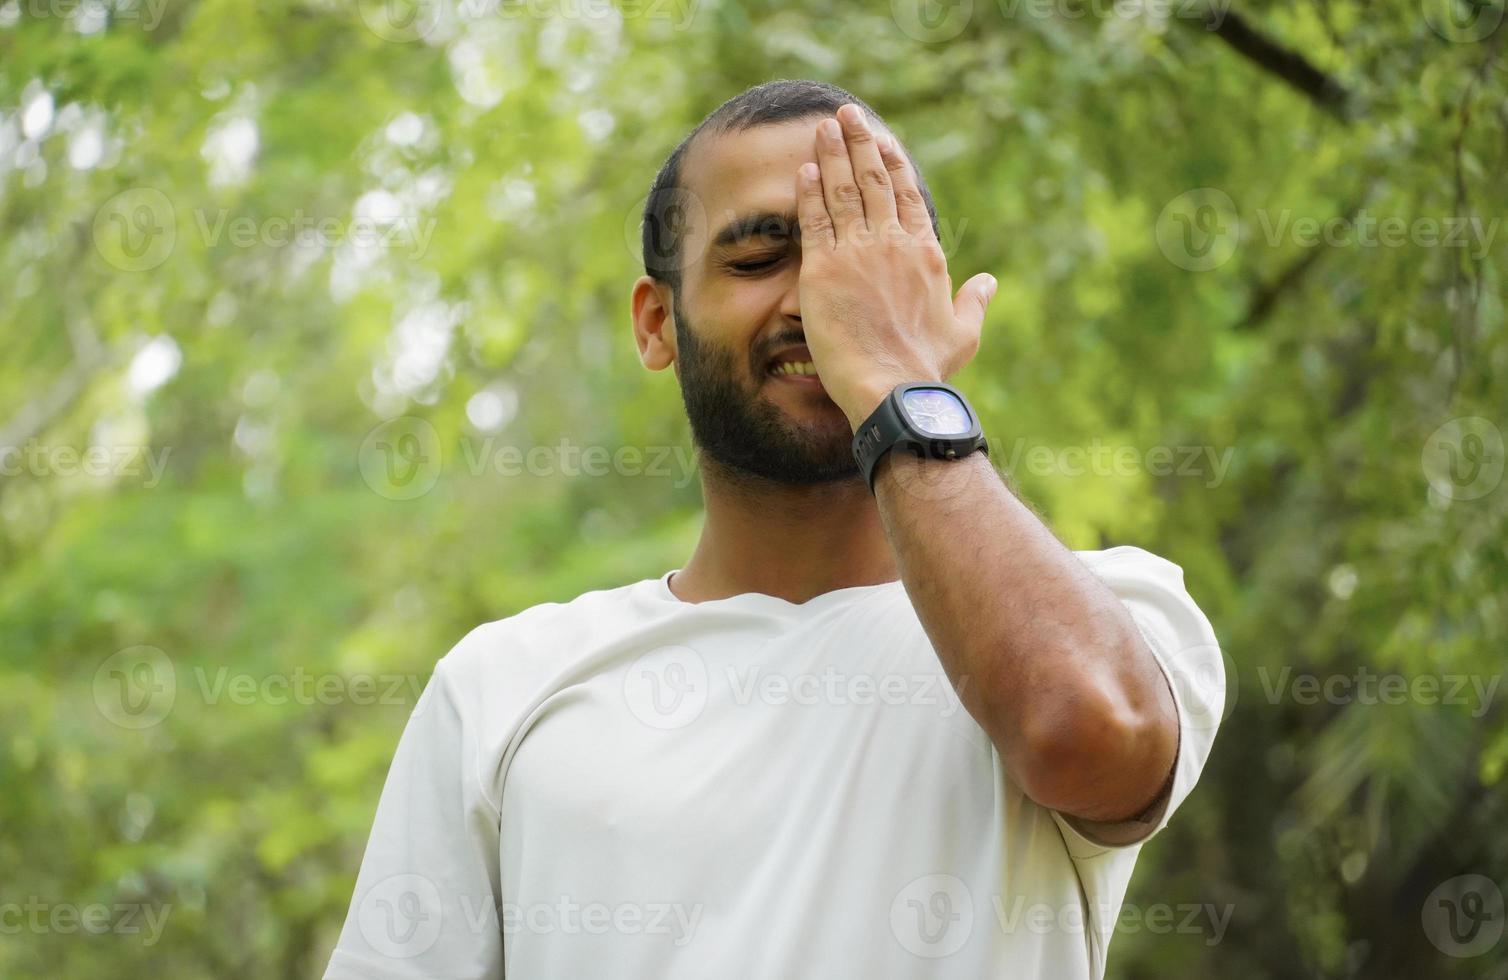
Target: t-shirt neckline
[{"x": 660, "y": 589}]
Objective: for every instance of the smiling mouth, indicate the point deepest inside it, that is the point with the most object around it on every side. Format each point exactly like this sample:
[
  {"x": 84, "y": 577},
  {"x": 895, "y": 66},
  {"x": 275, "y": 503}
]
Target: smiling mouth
[
  {"x": 793, "y": 369},
  {"x": 797, "y": 374},
  {"x": 794, "y": 364}
]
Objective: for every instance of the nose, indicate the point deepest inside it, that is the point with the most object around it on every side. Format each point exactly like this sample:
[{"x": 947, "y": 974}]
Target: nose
[{"x": 790, "y": 300}]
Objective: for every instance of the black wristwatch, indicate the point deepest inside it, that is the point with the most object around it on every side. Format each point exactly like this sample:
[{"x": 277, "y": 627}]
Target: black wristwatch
[{"x": 932, "y": 419}]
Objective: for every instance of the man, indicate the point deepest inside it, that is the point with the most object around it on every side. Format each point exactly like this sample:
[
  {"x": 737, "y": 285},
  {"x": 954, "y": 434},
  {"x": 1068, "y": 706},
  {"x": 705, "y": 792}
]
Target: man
[{"x": 881, "y": 725}]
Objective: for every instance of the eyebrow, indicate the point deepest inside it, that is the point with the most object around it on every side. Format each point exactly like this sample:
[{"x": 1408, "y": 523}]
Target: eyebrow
[{"x": 756, "y": 224}]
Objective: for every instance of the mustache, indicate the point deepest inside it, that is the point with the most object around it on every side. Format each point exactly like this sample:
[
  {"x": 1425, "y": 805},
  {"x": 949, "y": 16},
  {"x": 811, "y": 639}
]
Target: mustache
[{"x": 769, "y": 347}]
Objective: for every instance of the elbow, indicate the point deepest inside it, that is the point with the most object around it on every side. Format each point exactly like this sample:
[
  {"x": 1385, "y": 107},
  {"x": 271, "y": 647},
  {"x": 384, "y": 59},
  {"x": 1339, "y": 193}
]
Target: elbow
[{"x": 1100, "y": 751}]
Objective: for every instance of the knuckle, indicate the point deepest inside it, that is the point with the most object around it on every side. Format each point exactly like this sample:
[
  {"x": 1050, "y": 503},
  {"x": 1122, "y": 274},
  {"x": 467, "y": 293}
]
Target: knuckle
[
  {"x": 875, "y": 177},
  {"x": 909, "y": 197},
  {"x": 847, "y": 193},
  {"x": 816, "y": 227}
]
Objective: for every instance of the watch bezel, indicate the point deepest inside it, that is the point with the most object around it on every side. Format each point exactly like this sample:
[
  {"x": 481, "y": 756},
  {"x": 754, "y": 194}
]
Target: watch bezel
[
  {"x": 889, "y": 427},
  {"x": 902, "y": 391}
]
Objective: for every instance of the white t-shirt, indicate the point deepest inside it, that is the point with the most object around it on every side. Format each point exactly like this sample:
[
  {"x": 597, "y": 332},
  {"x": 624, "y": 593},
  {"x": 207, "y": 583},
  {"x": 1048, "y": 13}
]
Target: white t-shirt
[{"x": 631, "y": 786}]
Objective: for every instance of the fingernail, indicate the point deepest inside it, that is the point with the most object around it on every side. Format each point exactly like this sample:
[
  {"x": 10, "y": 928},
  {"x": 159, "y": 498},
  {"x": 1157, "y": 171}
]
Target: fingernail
[{"x": 830, "y": 128}]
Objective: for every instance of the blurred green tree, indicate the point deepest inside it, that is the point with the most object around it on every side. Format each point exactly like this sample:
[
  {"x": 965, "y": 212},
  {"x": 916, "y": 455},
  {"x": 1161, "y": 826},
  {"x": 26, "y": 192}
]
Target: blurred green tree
[{"x": 1250, "y": 317}]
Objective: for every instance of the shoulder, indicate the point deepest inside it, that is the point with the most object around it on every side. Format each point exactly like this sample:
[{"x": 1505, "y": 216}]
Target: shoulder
[
  {"x": 1124, "y": 559},
  {"x": 540, "y": 639}
]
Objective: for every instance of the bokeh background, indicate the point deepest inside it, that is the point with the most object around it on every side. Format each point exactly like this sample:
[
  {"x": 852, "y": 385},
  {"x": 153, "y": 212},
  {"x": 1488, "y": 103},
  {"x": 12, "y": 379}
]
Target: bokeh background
[{"x": 311, "y": 312}]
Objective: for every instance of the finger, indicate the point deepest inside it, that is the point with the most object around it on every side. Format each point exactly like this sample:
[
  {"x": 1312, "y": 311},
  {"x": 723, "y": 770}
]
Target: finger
[
  {"x": 869, "y": 169},
  {"x": 973, "y": 300},
  {"x": 844, "y": 202},
  {"x": 909, "y": 206},
  {"x": 816, "y": 225}
]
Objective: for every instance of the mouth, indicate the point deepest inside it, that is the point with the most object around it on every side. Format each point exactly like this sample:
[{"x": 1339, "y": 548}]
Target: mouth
[
  {"x": 794, "y": 366},
  {"x": 799, "y": 371}
]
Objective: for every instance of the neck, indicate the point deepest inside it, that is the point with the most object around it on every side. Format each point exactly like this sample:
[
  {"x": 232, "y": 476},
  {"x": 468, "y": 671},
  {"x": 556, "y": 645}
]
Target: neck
[{"x": 791, "y": 542}]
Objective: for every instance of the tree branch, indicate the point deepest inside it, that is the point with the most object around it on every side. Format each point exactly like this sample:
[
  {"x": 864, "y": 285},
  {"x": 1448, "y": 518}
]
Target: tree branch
[{"x": 1275, "y": 59}]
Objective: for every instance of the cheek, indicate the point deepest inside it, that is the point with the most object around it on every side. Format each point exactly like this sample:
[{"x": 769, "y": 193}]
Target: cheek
[{"x": 735, "y": 311}]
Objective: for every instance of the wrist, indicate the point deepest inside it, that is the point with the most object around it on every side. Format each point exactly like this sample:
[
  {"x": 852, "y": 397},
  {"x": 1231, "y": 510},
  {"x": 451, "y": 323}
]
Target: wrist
[{"x": 866, "y": 397}]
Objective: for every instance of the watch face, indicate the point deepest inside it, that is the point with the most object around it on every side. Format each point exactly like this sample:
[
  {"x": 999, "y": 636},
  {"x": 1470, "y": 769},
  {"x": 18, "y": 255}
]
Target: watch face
[{"x": 937, "y": 412}]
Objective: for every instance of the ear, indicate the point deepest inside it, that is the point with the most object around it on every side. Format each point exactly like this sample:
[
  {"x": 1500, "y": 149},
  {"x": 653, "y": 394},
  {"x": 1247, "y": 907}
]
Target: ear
[{"x": 654, "y": 323}]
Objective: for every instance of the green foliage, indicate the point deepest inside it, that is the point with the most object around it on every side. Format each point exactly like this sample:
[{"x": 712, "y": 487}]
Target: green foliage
[{"x": 511, "y": 148}]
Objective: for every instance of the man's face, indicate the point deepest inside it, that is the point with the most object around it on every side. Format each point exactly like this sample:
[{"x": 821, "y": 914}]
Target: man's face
[{"x": 738, "y": 312}]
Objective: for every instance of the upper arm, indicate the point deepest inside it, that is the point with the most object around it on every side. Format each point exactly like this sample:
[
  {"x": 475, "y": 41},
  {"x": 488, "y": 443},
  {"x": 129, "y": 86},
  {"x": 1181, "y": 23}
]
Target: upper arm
[{"x": 428, "y": 891}]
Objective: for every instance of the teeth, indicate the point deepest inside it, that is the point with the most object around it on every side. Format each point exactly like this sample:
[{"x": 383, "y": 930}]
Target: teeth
[{"x": 795, "y": 367}]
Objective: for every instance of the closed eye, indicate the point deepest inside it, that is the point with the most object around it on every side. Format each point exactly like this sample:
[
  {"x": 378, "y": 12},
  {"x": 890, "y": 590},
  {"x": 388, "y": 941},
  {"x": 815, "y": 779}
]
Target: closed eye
[{"x": 754, "y": 266}]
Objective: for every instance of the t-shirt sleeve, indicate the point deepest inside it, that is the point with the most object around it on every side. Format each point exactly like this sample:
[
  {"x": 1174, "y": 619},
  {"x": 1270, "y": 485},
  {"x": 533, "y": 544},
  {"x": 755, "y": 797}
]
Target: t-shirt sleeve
[
  {"x": 1183, "y": 641},
  {"x": 428, "y": 891}
]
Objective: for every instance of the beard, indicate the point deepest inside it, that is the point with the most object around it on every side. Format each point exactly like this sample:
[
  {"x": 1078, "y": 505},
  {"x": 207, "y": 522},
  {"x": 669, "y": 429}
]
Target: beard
[{"x": 743, "y": 432}]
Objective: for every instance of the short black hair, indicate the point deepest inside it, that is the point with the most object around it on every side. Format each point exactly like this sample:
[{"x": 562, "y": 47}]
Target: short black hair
[{"x": 781, "y": 100}]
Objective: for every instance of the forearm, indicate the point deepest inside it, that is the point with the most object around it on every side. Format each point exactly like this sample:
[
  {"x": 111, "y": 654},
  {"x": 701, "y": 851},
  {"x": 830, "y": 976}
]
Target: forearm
[{"x": 1042, "y": 653}]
